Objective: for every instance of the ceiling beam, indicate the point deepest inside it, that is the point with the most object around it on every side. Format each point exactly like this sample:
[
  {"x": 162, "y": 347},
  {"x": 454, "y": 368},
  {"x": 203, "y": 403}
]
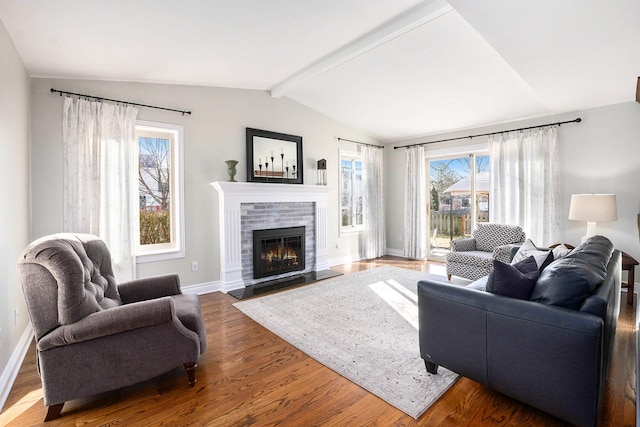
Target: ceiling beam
[{"x": 401, "y": 24}]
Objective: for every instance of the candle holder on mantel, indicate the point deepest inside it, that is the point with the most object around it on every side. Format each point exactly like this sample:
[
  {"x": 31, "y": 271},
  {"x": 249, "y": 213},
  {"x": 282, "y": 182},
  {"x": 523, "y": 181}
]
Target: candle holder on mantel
[
  {"x": 322, "y": 172},
  {"x": 231, "y": 169}
]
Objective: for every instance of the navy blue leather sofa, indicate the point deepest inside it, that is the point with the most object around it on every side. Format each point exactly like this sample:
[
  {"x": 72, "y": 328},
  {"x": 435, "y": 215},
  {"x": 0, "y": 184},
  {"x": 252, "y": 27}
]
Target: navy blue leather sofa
[{"x": 537, "y": 351}]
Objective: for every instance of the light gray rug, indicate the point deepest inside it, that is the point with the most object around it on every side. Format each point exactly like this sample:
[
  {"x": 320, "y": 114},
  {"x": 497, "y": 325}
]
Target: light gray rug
[{"x": 364, "y": 326}]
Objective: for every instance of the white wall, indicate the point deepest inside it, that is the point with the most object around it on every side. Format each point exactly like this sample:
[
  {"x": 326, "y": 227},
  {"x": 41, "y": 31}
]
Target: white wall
[
  {"x": 599, "y": 155},
  {"x": 14, "y": 197},
  {"x": 215, "y": 132}
]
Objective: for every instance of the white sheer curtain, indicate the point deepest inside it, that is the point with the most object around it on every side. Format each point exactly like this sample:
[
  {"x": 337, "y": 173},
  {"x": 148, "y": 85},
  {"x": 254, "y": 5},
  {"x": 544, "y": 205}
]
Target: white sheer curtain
[
  {"x": 524, "y": 182},
  {"x": 372, "y": 239},
  {"x": 415, "y": 204},
  {"x": 99, "y": 162}
]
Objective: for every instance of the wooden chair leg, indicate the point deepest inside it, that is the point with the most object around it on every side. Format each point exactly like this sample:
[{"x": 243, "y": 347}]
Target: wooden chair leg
[
  {"x": 449, "y": 276},
  {"x": 54, "y": 412},
  {"x": 191, "y": 372}
]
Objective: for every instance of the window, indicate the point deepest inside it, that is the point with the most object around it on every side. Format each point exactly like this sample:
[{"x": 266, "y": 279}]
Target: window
[
  {"x": 351, "y": 191},
  {"x": 458, "y": 188},
  {"x": 160, "y": 224}
]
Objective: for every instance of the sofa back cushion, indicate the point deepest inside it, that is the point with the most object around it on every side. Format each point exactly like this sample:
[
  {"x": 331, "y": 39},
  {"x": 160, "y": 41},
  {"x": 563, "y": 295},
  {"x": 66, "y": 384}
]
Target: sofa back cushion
[
  {"x": 488, "y": 236},
  {"x": 568, "y": 281}
]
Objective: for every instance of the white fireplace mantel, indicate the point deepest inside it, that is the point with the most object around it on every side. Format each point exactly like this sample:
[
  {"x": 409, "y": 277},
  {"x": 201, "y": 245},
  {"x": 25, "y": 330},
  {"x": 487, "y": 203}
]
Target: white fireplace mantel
[{"x": 233, "y": 194}]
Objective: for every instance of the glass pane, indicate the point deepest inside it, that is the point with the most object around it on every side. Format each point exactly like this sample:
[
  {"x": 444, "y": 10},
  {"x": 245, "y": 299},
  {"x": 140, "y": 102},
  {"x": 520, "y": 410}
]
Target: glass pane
[
  {"x": 449, "y": 203},
  {"x": 154, "y": 162},
  {"x": 346, "y": 201},
  {"x": 450, "y": 200},
  {"x": 357, "y": 193},
  {"x": 482, "y": 188}
]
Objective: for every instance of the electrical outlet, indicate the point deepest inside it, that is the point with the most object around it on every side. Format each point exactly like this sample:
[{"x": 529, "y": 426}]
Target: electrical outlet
[
  {"x": 15, "y": 316},
  {"x": 399, "y": 238},
  {"x": 194, "y": 266}
]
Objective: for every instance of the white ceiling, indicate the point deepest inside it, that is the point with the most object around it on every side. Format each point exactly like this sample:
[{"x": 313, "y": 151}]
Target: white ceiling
[{"x": 395, "y": 69}]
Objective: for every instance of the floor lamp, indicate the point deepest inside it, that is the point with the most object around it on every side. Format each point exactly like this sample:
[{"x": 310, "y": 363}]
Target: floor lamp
[{"x": 593, "y": 208}]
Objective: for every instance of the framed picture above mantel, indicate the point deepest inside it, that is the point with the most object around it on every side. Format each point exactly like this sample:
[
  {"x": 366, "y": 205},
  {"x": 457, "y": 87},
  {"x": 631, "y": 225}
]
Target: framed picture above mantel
[{"x": 274, "y": 157}]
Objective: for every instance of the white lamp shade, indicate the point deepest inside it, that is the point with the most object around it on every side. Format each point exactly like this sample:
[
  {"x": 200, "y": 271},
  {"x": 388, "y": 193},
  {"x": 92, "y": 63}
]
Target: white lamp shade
[{"x": 593, "y": 207}]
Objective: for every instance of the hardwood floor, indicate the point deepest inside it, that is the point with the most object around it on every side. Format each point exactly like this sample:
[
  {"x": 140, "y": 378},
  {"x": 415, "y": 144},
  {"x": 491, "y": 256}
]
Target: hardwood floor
[{"x": 249, "y": 376}]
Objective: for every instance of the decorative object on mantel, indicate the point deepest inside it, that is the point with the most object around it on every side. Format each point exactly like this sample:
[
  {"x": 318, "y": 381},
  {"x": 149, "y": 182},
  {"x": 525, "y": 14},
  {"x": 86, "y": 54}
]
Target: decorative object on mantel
[
  {"x": 274, "y": 157},
  {"x": 322, "y": 172},
  {"x": 231, "y": 169},
  {"x": 593, "y": 208}
]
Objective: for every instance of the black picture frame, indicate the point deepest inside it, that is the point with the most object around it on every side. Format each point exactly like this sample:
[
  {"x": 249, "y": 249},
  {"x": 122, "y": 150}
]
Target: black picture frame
[{"x": 274, "y": 157}]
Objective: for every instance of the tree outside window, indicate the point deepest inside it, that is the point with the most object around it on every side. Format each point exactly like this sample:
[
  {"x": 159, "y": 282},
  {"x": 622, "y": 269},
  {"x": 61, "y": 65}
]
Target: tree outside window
[{"x": 154, "y": 171}]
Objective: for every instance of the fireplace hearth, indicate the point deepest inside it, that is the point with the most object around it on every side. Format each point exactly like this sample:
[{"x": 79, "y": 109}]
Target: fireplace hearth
[{"x": 278, "y": 251}]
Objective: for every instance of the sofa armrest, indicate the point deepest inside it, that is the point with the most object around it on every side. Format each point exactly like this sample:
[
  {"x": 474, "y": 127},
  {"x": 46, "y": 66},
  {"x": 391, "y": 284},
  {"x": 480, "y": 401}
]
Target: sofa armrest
[
  {"x": 463, "y": 244},
  {"x": 110, "y": 322},
  {"x": 149, "y": 288}
]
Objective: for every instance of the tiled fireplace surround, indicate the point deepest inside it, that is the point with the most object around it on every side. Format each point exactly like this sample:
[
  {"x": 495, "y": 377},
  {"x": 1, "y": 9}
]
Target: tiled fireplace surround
[{"x": 246, "y": 206}]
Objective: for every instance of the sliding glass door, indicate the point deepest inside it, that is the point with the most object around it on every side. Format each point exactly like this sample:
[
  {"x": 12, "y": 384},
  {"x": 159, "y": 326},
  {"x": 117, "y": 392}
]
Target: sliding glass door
[{"x": 458, "y": 198}]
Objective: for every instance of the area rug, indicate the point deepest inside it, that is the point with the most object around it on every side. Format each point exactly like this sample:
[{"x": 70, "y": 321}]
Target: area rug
[{"x": 364, "y": 326}]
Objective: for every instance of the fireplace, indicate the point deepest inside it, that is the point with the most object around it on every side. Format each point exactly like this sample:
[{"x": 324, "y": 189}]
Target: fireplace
[
  {"x": 278, "y": 250},
  {"x": 236, "y": 222}
]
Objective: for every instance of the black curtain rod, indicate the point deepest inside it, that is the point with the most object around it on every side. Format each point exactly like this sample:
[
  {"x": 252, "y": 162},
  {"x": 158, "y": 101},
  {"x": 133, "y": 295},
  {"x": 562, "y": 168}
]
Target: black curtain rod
[
  {"x": 98, "y": 98},
  {"x": 361, "y": 143},
  {"x": 578, "y": 120}
]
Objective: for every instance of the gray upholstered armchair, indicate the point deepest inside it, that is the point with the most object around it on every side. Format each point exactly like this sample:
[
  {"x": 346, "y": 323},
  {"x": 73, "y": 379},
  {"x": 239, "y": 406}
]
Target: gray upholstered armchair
[
  {"x": 472, "y": 258},
  {"x": 94, "y": 336}
]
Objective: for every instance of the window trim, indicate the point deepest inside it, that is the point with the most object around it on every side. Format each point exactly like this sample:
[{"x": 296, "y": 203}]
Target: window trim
[
  {"x": 177, "y": 250},
  {"x": 348, "y": 229}
]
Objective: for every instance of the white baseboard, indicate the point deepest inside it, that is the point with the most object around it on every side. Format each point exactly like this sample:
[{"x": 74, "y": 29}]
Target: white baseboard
[
  {"x": 394, "y": 252},
  {"x": 202, "y": 288},
  {"x": 344, "y": 260},
  {"x": 10, "y": 371},
  {"x": 348, "y": 259}
]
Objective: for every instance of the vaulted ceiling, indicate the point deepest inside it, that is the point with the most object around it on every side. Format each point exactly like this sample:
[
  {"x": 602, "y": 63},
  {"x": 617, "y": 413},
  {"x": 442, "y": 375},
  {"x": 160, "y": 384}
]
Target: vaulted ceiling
[{"x": 395, "y": 69}]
